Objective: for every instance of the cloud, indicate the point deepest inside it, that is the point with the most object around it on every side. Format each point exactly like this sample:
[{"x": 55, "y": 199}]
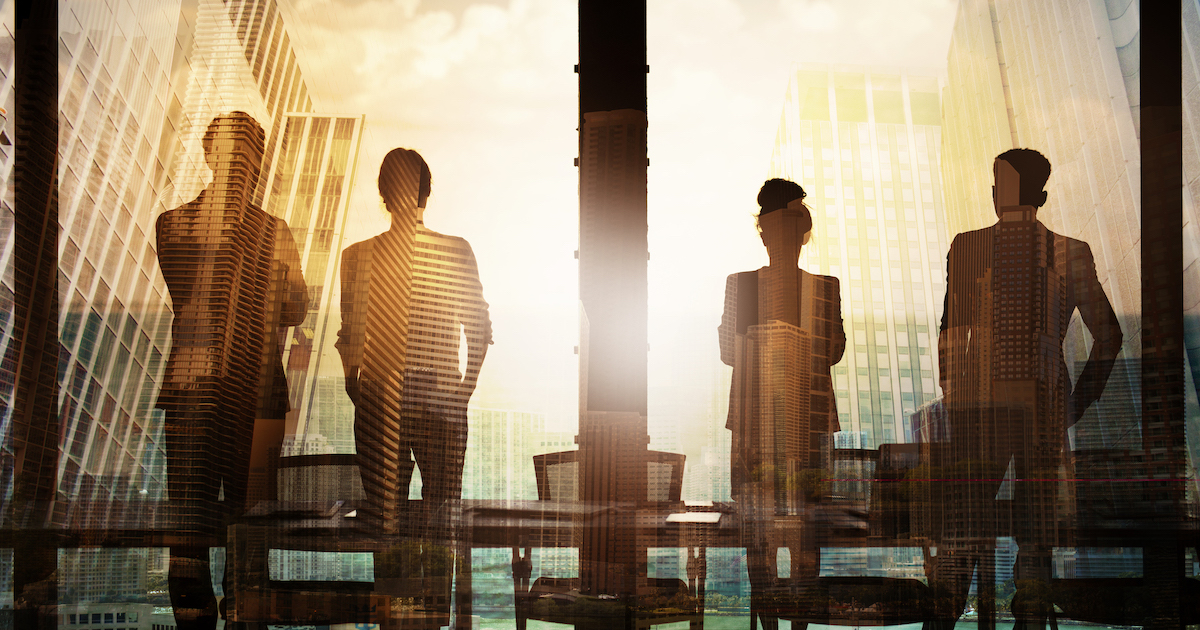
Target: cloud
[
  {"x": 446, "y": 46},
  {"x": 811, "y": 15},
  {"x": 485, "y": 91},
  {"x": 889, "y": 25}
]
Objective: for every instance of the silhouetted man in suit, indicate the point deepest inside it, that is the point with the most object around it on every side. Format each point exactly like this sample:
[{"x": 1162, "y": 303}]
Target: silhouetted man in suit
[
  {"x": 401, "y": 329},
  {"x": 373, "y": 341},
  {"x": 235, "y": 281},
  {"x": 1012, "y": 289}
]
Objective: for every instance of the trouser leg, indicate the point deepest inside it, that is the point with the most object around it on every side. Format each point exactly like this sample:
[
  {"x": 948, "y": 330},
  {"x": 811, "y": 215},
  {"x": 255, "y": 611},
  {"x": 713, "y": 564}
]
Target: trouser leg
[
  {"x": 439, "y": 444},
  {"x": 189, "y": 581},
  {"x": 764, "y": 597},
  {"x": 235, "y": 470},
  {"x": 377, "y": 434},
  {"x": 195, "y": 515}
]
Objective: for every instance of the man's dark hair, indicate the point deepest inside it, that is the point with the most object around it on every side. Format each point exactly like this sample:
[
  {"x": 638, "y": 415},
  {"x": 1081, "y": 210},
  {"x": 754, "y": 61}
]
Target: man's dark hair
[
  {"x": 405, "y": 168},
  {"x": 237, "y": 122},
  {"x": 776, "y": 194},
  {"x": 1034, "y": 169}
]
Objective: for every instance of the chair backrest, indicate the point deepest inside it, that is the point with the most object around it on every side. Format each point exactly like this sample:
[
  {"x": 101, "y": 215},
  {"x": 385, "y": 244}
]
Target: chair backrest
[
  {"x": 558, "y": 476},
  {"x": 319, "y": 478},
  {"x": 664, "y": 476}
]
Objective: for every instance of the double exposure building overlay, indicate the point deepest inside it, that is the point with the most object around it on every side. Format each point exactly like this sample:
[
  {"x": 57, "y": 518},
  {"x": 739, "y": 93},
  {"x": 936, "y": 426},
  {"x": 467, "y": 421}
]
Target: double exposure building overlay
[
  {"x": 140, "y": 82},
  {"x": 140, "y": 79},
  {"x": 120, "y": 106},
  {"x": 500, "y": 450},
  {"x": 612, "y": 162},
  {"x": 865, "y": 144},
  {"x": 996, "y": 99},
  {"x": 140, "y": 85},
  {"x": 1010, "y": 72},
  {"x": 308, "y": 186},
  {"x": 7, "y": 153},
  {"x": 1017, "y": 76}
]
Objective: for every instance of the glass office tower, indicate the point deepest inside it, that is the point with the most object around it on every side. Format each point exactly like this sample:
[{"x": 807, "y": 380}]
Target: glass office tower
[
  {"x": 124, "y": 77},
  {"x": 309, "y": 187},
  {"x": 865, "y": 144},
  {"x": 139, "y": 83}
]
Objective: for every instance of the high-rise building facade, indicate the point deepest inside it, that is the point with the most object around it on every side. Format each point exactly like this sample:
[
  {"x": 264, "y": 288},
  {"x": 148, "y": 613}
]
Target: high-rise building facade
[
  {"x": 500, "y": 450},
  {"x": 864, "y": 144},
  {"x": 7, "y": 279},
  {"x": 613, "y": 432},
  {"x": 140, "y": 82},
  {"x": 1191, "y": 212},
  {"x": 243, "y": 59},
  {"x": 309, "y": 187},
  {"x": 612, "y": 260},
  {"x": 1005, "y": 89},
  {"x": 125, "y": 70}
]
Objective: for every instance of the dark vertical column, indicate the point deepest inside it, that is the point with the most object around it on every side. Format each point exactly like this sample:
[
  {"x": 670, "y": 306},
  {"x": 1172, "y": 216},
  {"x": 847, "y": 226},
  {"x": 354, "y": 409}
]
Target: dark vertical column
[
  {"x": 1162, "y": 304},
  {"x": 612, "y": 212},
  {"x": 612, "y": 55},
  {"x": 34, "y": 346},
  {"x": 613, "y": 291}
]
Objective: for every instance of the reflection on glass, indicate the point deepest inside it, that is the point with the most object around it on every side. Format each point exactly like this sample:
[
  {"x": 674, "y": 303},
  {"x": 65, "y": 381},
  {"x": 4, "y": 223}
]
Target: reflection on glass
[
  {"x": 1039, "y": 467},
  {"x": 782, "y": 333},
  {"x": 408, "y": 296}
]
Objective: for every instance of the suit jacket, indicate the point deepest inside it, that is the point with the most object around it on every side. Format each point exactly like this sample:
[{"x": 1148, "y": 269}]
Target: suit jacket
[
  {"x": 401, "y": 323},
  {"x": 373, "y": 339},
  {"x": 1011, "y": 291},
  {"x": 447, "y": 304},
  {"x": 775, "y": 358},
  {"x": 236, "y": 284}
]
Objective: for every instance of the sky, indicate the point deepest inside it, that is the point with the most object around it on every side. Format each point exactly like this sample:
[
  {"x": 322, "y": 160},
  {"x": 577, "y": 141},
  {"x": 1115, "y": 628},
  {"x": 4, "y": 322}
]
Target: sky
[{"x": 486, "y": 92}]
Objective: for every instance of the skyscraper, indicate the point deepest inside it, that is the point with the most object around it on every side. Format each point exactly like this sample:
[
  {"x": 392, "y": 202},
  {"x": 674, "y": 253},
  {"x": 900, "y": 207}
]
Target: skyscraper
[
  {"x": 500, "y": 450},
  {"x": 1191, "y": 209},
  {"x": 139, "y": 82},
  {"x": 7, "y": 219},
  {"x": 612, "y": 288},
  {"x": 613, "y": 432},
  {"x": 309, "y": 187},
  {"x": 612, "y": 259},
  {"x": 242, "y": 59},
  {"x": 1005, "y": 89},
  {"x": 126, "y": 72},
  {"x": 864, "y": 143},
  {"x": 1018, "y": 76}
]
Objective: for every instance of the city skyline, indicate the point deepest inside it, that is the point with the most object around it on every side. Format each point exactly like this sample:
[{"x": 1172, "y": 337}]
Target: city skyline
[
  {"x": 69, "y": 216},
  {"x": 663, "y": 385},
  {"x": 893, "y": 151}
]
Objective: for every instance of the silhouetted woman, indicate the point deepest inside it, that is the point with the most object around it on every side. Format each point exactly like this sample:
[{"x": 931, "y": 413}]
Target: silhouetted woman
[{"x": 782, "y": 333}]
